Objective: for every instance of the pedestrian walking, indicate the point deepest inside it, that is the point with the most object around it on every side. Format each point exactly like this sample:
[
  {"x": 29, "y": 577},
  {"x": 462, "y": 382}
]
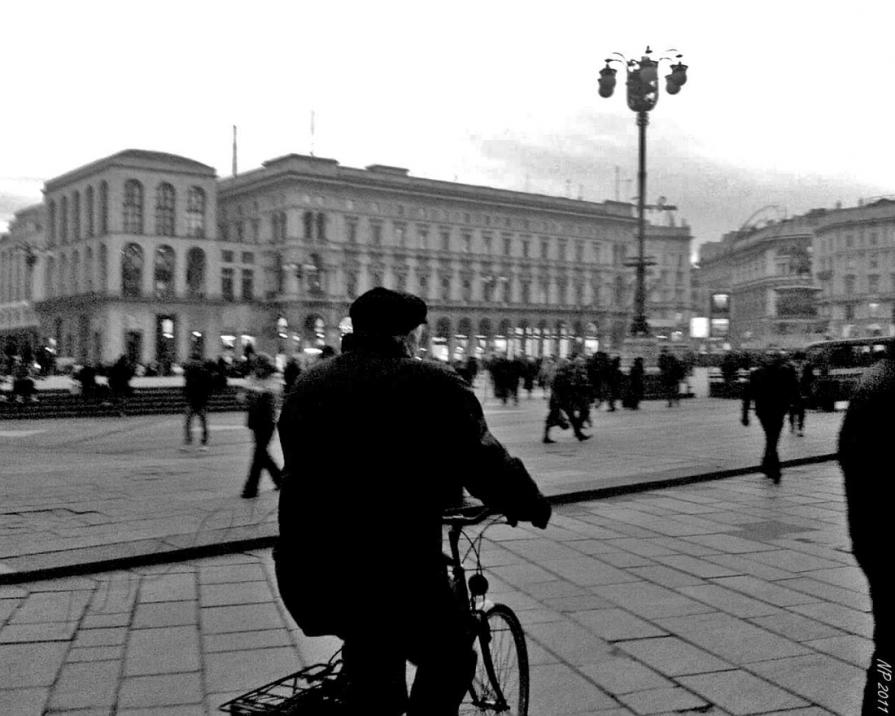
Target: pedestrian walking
[
  {"x": 865, "y": 456},
  {"x": 198, "y": 383},
  {"x": 671, "y": 373},
  {"x": 546, "y": 373},
  {"x": 345, "y": 487},
  {"x": 805, "y": 377},
  {"x": 635, "y": 384},
  {"x": 772, "y": 387},
  {"x": 120, "y": 375},
  {"x": 263, "y": 389},
  {"x": 569, "y": 400},
  {"x": 86, "y": 376},
  {"x": 612, "y": 382}
]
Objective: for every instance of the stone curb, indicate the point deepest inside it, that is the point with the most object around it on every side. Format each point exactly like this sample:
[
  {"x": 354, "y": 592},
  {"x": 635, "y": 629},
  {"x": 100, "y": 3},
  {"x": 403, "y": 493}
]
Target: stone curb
[{"x": 215, "y": 549}]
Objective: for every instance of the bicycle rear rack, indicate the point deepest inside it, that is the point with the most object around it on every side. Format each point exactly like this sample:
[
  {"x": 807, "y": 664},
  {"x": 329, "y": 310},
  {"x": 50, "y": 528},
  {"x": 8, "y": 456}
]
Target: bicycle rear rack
[{"x": 314, "y": 691}]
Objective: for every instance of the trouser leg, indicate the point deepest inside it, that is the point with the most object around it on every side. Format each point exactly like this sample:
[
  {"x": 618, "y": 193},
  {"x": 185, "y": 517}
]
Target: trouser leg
[
  {"x": 376, "y": 675},
  {"x": 773, "y": 426},
  {"x": 262, "y": 459},
  {"x": 188, "y": 426},
  {"x": 254, "y": 476},
  {"x": 203, "y": 421},
  {"x": 444, "y": 657}
]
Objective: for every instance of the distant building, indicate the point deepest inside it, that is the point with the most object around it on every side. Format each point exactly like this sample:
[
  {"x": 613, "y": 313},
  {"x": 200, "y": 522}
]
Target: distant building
[
  {"x": 829, "y": 273},
  {"x": 759, "y": 283},
  {"x": 149, "y": 254},
  {"x": 19, "y": 254},
  {"x": 854, "y": 259}
]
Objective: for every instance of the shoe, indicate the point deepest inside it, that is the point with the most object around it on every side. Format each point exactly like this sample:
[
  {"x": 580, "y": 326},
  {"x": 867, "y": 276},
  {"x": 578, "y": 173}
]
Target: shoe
[
  {"x": 203, "y": 448},
  {"x": 582, "y": 437},
  {"x": 547, "y": 440},
  {"x": 248, "y": 494},
  {"x": 186, "y": 448},
  {"x": 801, "y": 433}
]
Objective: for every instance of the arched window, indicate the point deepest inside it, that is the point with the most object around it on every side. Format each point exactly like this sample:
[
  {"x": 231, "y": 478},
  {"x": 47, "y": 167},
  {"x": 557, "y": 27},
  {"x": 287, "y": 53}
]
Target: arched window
[
  {"x": 103, "y": 270},
  {"x": 195, "y": 213},
  {"x": 103, "y": 209},
  {"x": 321, "y": 226},
  {"x": 163, "y": 272},
  {"x": 195, "y": 273},
  {"x": 133, "y": 207},
  {"x": 164, "y": 209},
  {"x": 91, "y": 219},
  {"x": 132, "y": 270},
  {"x": 308, "y": 220},
  {"x": 51, "y": 223},
  {"x": 63, "y": 219},
  {"x": 76, "y": 216},
  {"x": 88, "y": 269},
  {"x": 50, "y": 278},
  {"x": 75, "y": 281}
]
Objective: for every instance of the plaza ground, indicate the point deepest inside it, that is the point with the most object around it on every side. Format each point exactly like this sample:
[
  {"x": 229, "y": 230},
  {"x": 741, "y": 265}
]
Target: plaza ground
[{"x": 733, "y": 596}]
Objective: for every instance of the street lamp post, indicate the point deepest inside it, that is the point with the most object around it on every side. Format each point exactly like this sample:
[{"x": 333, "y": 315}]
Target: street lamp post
[{"x": 643, "y": 93}]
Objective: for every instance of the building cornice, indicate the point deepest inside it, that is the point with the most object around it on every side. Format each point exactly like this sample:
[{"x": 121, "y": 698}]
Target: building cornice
[
  {"x": 139, "y": 159},
  {"x": 396, "y": 180}
]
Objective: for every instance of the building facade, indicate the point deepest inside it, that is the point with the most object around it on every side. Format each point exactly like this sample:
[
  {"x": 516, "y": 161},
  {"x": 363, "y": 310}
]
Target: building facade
[
  {"x": 758, "y": 285},
  {"x": 19, "y": 253},
  {"x": 829, "y": 273},
  {"x": 150, "y": 255},
  {"x": 855, "y": 269}
]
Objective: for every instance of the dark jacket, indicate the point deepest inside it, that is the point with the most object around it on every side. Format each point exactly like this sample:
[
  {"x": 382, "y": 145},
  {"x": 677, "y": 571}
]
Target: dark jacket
[
  {"x": 197, "y": 384},
  {"x": 773, "y": 388},
  {"x": 865, "y": 454},
  {"x": 376, "y": 445}
]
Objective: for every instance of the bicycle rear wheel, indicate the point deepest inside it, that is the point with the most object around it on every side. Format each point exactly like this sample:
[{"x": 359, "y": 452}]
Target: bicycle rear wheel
[{"x": 500, "y": 682}]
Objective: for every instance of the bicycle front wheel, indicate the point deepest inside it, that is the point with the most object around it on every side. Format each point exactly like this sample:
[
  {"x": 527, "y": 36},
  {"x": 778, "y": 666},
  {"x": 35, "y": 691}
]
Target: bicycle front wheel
[{"x": 500, "y": 682}]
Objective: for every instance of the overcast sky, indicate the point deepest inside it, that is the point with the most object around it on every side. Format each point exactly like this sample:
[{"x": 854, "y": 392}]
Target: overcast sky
[{"x": 788, "y": 103}]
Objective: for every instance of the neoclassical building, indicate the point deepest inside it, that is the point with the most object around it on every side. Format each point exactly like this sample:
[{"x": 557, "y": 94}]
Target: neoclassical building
[
  {"x": 149, "y": 254},
  {"x": 766, "y": 275},
  {"x": 829, "y": 273},
  {"x": 854, "y": 255}
]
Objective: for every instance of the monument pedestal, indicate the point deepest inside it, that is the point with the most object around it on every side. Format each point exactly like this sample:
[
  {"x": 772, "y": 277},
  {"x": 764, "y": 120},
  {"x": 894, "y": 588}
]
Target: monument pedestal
[{"x": 646, "y": 347}]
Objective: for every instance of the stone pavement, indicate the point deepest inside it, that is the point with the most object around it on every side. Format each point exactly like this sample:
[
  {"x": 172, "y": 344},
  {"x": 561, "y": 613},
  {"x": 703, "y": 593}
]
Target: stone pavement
[
  {"x": 82, "y": 494},
  {"x": 726, "y": 597}
]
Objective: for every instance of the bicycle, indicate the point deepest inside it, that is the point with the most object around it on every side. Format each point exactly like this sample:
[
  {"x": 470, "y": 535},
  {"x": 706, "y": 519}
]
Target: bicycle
[{"x": 500, "y": 683}]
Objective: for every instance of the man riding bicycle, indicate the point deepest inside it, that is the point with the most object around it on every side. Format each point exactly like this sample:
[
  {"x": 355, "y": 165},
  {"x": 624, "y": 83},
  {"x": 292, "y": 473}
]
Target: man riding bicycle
[{"x": 377, "y": 444}]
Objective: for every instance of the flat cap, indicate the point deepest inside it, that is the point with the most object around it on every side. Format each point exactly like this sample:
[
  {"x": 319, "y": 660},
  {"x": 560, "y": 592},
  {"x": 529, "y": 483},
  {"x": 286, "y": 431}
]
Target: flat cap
[{"x": 383, "y": 312}]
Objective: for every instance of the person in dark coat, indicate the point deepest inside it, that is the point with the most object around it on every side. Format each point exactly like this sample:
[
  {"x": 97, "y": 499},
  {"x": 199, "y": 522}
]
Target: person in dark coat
[
  {"x": 671, "y": 372},
  {"x": 772, "y": 387},
  {"x": 198, "y": 383},
  {"x": 865, "y": 456},
  {"x": 805, "y": 376},
  {"x": 263, "y": 390},
  {"x": 360, "y": 532},
  {"x": 86, "y": 376},
  {"x": 569, "y": 400},
  {"x": 635, "y": 384},
  {"x": 612, "y": 382},
  {"x": 120, "y": 375}
]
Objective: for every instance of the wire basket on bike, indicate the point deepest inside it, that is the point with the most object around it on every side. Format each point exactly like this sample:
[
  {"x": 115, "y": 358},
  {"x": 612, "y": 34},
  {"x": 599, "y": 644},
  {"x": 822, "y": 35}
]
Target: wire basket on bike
[{"x": 317, "y": 690}]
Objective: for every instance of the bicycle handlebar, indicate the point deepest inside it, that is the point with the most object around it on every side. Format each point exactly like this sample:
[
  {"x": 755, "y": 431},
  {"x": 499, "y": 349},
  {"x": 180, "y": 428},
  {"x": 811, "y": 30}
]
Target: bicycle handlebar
[{"x": 469, "y": 513}]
